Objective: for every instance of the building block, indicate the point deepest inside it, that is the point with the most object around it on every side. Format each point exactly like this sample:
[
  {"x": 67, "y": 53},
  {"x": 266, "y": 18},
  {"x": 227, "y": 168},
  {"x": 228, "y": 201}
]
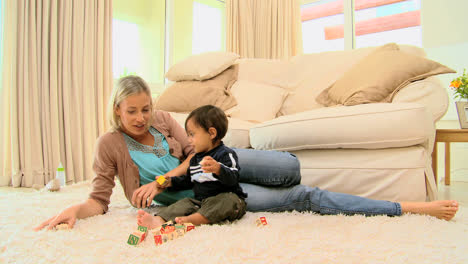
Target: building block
[
  {"x": 142, "y": 228},
  {"x": 188, "y": 226},
  {"x": 168, "y": 229},
  {"x": 62, "y": 226},
  {"x": 136, "y": 238},
  {"x": 261, "y": 221},
  {"x": 158, "y": 240},
  {"x": 161, "y": 180}
]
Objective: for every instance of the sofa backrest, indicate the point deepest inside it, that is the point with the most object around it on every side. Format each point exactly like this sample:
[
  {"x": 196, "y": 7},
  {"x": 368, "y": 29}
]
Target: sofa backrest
[{"x": 306, "y": 76}]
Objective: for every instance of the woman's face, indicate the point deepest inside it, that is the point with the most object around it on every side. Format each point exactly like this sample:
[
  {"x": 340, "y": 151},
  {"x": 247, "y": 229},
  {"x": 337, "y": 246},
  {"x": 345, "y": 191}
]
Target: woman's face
[{"x": 135, "y": 113}]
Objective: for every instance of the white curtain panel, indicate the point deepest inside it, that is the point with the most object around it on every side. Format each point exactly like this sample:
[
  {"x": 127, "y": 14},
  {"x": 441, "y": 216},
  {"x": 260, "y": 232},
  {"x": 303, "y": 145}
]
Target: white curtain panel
[
  {"x": 269, "y": 29},
  {"x": 56, "y": 82}
]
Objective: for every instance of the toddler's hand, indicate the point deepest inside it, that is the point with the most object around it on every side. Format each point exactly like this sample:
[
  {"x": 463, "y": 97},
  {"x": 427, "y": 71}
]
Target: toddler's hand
[
  {"x": 162, "y": 181},
  {"x": 208, "y": 164}
]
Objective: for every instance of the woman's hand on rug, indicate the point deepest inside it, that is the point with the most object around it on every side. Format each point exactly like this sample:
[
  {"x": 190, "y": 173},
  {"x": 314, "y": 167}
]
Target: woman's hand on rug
[
  {"x": 67, "y": 216},
  {"x": 143, "y": 196}
]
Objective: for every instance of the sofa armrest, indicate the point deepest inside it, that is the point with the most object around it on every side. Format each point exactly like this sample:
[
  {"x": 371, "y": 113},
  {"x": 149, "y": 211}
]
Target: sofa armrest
[{"x": 429, "y": 92}]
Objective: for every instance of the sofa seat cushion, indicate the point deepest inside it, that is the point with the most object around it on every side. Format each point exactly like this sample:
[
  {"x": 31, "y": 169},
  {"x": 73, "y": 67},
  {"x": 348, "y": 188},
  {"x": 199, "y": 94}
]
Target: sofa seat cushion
[
  {"x": 368, "y": 126},
  {"x": 237, "y": 135}
]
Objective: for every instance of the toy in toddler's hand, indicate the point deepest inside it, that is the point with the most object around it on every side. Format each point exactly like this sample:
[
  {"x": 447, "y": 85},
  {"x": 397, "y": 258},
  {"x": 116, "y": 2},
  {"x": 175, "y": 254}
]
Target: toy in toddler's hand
[{"x": 161, "y": 180}]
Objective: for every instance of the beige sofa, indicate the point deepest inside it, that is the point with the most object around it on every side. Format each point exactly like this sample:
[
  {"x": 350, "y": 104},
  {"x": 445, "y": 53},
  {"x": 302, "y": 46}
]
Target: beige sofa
[{"x": 376, "y": 150}]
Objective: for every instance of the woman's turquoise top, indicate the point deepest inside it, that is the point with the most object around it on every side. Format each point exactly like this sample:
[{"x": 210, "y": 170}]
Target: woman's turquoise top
[{"x": 153, "y": 161}]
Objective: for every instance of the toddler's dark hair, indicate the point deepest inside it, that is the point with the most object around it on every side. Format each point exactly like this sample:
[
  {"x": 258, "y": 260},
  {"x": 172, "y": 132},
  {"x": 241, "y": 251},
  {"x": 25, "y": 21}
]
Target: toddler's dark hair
[{"x": 210, "y": 116}]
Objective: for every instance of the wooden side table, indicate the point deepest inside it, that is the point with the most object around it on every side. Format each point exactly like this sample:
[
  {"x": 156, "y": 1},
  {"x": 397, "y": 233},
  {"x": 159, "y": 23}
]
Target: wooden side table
[{"x": 447, "y": 136}]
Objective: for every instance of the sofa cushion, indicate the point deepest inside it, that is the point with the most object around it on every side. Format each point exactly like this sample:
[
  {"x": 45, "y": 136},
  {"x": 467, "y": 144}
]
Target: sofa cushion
[
  {"x": 265, "y": 71},
  {"x": 185, "y": 96},
  {"x": 201, "y": 67},
  {"x": 237, "y": 135},
  {"x": 377, "y": 77},
  {"x": 368, "y": 126},
  {"x": 310, "y": 74},
  {"x": 256, "y": 102}
]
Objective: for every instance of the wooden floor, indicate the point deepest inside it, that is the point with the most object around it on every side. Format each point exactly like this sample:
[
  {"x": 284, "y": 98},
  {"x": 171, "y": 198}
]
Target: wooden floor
[{"x": 457, "y": 190}]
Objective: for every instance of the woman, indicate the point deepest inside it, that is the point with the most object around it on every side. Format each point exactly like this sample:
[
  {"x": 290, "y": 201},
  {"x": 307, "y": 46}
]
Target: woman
[{"x": 143, "y": 144}]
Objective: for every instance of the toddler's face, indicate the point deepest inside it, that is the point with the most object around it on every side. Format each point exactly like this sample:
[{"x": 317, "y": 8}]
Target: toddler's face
[{"x": 198, "y": 137}]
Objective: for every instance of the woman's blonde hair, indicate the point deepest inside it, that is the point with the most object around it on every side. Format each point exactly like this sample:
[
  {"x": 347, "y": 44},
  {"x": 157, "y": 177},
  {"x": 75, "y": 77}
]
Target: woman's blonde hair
[{"x": 126, "y": 86}]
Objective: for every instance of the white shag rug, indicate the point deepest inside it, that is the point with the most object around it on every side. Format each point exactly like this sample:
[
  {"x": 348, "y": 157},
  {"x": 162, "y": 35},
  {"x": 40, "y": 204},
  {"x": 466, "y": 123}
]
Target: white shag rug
[{"x": 289, "y": 238}]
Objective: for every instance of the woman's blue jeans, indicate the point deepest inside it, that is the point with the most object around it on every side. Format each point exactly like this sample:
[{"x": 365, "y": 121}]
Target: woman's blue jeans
[{"x": 272, "y": 181}]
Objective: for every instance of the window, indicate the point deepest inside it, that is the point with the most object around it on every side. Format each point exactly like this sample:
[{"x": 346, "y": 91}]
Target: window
[
  {"x": 384, "y": 21},
  {"x": 207, "y": 33},
  {"x": 376, "y": 22},
  {"x": 149, "y": 36},
  {"x": 316, "y": 18},
  {"x": 138, "y": 40},
  {"x": 125, "y": 48}
]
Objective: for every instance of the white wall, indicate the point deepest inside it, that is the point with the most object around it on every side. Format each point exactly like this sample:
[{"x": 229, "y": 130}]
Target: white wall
[{"x": 445, "y": 39}]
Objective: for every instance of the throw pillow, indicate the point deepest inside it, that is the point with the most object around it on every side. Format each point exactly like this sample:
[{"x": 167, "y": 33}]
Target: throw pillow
[
  {"x": 256, "y": 102},
  {"x": 185, "y": 96},
  {"x": 201, "y": 67},
  {"x": 380, "y": 75}
]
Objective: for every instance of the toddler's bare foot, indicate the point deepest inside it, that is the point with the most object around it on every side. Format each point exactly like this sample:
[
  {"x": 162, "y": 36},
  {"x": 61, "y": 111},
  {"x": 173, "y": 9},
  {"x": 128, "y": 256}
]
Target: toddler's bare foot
[
  {"x": 445, "y": 209},
  {"x": 145, "y": 219},
  {"x": 196, "y": 219}
]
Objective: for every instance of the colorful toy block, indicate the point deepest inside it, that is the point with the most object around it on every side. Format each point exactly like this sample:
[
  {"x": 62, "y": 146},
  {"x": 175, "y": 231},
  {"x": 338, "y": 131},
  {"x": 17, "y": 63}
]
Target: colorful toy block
[
  {"x": 168, "y": 223},
  {"x": 169, "y": 231},
  {"x": 161, "y": 180},
  {"x": 62, "y": 226},
  {"x": 142, "y": 228},
  {"x": 261, "y": 221},
  {"x": 158, "y": 240},
  {"x": 136, "y": 238},
  {"x": 188, "y": 226}
]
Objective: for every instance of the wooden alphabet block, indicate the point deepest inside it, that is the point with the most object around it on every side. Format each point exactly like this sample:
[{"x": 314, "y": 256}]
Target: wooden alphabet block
[
  {"x": 142, "y": 228},
  {"x": 169, "y": 229},
  {"x": 161, "y": 180},
  {"x": 179, "y": 232},
  {"x": 168, "y": 223},
  {"x": 136, "y": 238},
  {"x": 158, "y": 240},
  {"x": 188, "y": 226},
  {"x": 261, "y": 221},
  {"x": 157, "y": 231},
  {"x": 62, "y": 226}
]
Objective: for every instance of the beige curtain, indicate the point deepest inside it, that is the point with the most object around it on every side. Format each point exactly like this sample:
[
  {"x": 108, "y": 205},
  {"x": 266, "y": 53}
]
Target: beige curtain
[
  {"x": 56, "y": 82},
  {"x": 268, "y": 29}
]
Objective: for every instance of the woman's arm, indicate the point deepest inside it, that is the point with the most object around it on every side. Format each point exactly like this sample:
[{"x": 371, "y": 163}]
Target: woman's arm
[
  {"x": 143, "y": 196},
  {"x": 69, "y": 215}
]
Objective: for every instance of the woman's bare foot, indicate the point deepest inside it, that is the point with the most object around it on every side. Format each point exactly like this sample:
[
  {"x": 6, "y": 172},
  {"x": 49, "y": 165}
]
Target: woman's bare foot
[
  {"x": 445, "y": 209},
  {"x": 196, "y": 219},
  {"x": 145, "y": 219}
]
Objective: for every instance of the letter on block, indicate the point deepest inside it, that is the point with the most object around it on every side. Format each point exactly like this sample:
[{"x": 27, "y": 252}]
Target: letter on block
[
  {"x": 261, "y": 221},
  {"x": 158, "y": 240},
  {"x": 136, "y": 238},
  {"x": 189, "y": 226}
]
